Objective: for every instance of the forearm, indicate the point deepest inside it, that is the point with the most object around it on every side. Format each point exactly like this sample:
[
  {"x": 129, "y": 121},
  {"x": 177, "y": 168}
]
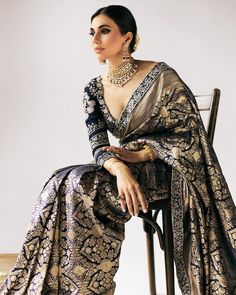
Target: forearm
[
  {"x": 147, "y": 153},
  {"x": 114, "y": 166},
  {"x": 144, "y": 155}
]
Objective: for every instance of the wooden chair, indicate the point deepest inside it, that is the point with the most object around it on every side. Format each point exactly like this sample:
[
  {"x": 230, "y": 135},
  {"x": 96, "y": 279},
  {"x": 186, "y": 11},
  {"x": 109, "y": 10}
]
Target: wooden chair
[{"x": 207, "y": 103}]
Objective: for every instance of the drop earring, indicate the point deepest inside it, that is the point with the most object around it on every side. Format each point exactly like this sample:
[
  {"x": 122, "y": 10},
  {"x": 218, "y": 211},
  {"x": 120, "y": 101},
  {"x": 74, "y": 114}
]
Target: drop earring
[{"x": 126, "y": 56}]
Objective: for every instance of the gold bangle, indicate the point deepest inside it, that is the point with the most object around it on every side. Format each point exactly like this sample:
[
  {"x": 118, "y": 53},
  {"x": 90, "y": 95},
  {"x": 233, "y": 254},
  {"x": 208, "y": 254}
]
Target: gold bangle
[{"x": 151, "y": 152}]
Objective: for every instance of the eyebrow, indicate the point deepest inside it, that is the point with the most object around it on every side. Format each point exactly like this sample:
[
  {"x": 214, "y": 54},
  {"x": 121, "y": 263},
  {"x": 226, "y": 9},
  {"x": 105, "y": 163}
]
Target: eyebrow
[{"x": 101, "y": 26}]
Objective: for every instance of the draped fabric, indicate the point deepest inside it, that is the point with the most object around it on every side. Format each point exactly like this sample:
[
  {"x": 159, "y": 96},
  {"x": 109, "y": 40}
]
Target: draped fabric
[{"x": 74, "y": 239}]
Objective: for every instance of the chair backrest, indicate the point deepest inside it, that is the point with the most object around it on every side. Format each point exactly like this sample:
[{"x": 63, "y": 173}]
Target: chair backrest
[{"x": 209, "y": 103}]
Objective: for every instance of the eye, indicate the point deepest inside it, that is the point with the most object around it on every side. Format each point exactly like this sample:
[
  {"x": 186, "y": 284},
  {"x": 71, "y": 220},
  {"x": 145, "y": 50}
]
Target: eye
[{"x": 105, "y": 31}]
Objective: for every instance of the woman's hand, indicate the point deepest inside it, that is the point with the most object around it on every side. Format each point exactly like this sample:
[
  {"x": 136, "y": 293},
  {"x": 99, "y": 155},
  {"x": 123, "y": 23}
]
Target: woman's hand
[
  {"x": 129, "y": 156},
  {"x": 127, "y": 185},
  {"x": 129, "y": 188}
]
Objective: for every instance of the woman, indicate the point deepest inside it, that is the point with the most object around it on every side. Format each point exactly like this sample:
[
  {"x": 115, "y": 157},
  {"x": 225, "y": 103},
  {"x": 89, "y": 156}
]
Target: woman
[{"x": 75, "y": 236}]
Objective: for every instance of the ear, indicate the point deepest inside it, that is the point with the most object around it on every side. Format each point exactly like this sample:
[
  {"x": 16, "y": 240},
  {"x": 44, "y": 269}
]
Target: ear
[{"x": 129, "y": 37}]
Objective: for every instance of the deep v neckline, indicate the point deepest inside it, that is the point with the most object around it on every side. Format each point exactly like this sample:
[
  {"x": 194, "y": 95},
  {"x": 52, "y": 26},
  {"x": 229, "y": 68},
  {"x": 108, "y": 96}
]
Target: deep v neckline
[{"x": 101, "y": 88}]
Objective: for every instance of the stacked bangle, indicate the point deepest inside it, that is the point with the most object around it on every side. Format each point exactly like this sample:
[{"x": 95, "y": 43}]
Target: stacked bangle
[{"x": 151, "y": 152}]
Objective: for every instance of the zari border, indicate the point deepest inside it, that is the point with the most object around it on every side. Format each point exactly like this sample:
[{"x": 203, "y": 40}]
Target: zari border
[
  {"x": 178, "y": 186},
  {"x": 138, "y": 94}
]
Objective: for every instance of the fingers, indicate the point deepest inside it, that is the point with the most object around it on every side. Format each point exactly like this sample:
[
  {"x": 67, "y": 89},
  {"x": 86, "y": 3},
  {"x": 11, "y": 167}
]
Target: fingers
[
  {"x": 138, "y": 196},
  {"x": 115, "y": 149},
  {"x": 129, "y": 203},
  {"x": 126, "y": 200},
  {"x": 143, "y": 201},
  {"x": 131, "y": 200},
  {"x": 124, "y": 154},
  {"x": 135, "y": 204},
  {"x": 123, "y": 203}
]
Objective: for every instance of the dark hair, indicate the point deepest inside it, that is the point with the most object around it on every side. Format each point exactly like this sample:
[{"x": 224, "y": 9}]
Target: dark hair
[{"x": 124, "y": 19}]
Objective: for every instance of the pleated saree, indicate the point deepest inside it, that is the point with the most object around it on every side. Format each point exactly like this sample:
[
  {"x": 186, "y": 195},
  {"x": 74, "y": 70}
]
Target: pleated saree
[{"x": 74, "y": 239}]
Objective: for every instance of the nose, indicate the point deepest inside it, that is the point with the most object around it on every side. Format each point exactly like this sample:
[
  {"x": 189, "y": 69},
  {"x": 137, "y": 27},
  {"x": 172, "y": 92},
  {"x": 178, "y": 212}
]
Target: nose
[{"x": 96, "y": 39}]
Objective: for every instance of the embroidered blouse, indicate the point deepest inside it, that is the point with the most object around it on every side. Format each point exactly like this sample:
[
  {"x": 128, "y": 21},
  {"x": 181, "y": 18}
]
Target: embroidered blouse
[{"x": 99, "y": 120}]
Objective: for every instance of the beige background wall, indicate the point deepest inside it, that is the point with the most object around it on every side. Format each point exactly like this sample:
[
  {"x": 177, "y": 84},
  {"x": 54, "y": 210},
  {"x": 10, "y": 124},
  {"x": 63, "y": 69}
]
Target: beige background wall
[{"x": 45, "y": 61}]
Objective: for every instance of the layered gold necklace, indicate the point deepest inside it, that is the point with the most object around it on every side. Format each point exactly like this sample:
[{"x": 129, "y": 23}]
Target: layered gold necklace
[{"x": 123, "y": 73}]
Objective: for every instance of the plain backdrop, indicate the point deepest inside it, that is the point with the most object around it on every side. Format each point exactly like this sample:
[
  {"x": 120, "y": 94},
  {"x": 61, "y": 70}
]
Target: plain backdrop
[{"x": 46, "y": 58}]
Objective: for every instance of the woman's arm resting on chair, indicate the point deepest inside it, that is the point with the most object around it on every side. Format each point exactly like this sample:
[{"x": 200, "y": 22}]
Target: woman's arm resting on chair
[{"x": 130, "y": 156}]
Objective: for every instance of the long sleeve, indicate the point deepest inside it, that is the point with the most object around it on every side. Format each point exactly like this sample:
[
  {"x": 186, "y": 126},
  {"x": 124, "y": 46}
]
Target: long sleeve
[{"x": 96, "y": 127}]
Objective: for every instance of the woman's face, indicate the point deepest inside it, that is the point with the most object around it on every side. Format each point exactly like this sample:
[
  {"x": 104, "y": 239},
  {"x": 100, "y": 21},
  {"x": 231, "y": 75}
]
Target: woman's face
[{"x": 106, "y": 35}]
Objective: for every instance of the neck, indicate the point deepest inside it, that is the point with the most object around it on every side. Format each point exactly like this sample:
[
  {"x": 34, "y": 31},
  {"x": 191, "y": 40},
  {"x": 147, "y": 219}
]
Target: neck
[
  {"x": 115, "y": 62},
  {"x": 123, "y": 73}
]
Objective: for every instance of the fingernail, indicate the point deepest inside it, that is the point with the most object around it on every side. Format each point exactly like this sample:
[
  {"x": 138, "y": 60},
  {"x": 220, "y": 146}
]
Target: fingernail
[
  {"x": 136, "y": 214},
  {"x": 145, "y": 210},
  {"x": 123, "y": 209}
]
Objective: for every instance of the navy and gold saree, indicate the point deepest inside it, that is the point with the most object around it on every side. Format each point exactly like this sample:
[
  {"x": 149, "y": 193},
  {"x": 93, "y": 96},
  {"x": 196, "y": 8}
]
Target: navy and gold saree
[{"x": 74, "y": 238}]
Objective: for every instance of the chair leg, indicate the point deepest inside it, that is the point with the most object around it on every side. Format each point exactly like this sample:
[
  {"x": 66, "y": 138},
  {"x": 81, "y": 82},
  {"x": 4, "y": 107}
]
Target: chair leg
[
  {"x": 169, "y": 262},
  {"x": 151, "y": 265}
]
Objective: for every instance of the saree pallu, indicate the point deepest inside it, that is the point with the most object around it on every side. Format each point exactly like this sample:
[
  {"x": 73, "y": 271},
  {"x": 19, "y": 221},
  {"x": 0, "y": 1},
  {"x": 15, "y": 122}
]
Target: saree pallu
[
  {"x": 74, "y": 239},
  {"x": 203, "y": 211}
]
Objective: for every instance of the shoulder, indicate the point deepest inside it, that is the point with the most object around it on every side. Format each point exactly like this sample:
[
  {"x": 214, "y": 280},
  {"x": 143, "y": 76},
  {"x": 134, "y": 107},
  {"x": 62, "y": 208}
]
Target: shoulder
[
  {"x": 90, "y": 87},
  {"x": 161, "y": 67},
  {"x": 169, "y": 75},
  {"x": 172, "y": 79},
  {"x": 146, "y": 64},
  {"x": 91, "y": 83},
  {"x": 150, "y": 63}
]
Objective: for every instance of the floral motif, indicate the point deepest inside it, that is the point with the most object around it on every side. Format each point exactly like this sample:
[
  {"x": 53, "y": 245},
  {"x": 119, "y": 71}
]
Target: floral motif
[{"x": 89, "y": 104}]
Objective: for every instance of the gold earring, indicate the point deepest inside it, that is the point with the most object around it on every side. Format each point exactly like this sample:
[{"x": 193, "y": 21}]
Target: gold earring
[{"x": 126, "y": 56}]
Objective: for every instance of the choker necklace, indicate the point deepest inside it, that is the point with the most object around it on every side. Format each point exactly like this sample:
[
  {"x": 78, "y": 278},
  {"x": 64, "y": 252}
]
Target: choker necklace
[{"x": 123, "y": 73}]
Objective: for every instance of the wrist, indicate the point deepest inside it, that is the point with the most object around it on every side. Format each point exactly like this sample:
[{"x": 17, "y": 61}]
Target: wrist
[
  {"x": 113, "y": 165},
  {"x": 144, "y": 155},
  {"x": 152, "y": 154},
  {"x": 118, "y": 167}
]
